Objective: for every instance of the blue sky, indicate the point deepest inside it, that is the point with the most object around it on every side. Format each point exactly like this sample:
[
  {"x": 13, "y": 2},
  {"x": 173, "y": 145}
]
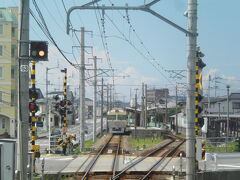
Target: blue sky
[{"x": 218, "y": 28}]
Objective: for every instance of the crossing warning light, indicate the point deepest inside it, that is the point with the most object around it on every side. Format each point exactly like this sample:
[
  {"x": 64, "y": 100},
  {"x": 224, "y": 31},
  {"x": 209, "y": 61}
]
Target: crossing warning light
[
  {"x": 33, "y": 94},
  {"x": 33, "y": 107},
  {"x": 39, "y": 50}
]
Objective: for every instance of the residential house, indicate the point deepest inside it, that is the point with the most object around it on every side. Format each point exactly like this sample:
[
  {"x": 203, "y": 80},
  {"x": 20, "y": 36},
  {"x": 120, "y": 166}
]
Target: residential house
[{"x": 8, "y": 70}]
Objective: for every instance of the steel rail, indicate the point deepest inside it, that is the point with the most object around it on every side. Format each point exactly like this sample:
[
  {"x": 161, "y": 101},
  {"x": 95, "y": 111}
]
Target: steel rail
[
  {"x": 116, "y": 156},
  {"x": 166, "y": 154},
  {"x": 91, "y": 164},
  {"x": 139, "y": 160}
]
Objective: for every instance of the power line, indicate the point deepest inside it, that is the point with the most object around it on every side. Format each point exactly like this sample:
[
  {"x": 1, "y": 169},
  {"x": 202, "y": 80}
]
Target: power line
[
  {"x": 127, "y": 40},
  {"x": 46, "y": 31}
]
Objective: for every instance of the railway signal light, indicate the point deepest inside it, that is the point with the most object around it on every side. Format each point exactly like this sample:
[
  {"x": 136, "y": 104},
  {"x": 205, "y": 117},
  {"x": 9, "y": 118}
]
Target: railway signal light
[
  {"x": 33, "y": 107},
  {"x": 56, "y": 98},
  {"x": 33, "y": 94},
  {"x": 39, "y": 50},
  {"x": 199, "y": 120}
]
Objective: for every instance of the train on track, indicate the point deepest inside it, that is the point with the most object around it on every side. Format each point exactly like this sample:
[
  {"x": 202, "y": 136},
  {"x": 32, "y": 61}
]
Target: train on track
[{"x": 117, "y": 121}]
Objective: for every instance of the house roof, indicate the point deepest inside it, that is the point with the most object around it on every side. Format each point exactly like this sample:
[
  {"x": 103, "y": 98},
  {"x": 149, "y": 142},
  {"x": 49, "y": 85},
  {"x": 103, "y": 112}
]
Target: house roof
[{"x": 232, "y": 96}]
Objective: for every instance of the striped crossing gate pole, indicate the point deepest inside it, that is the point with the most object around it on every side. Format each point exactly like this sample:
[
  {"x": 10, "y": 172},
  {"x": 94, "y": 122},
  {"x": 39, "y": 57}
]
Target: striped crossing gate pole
[
  {"x": 63, "y": 113},
  {"x": 196, "y": 108},
  {"x": 33, "y": 109},
  {"x": 65, "y": 101}
]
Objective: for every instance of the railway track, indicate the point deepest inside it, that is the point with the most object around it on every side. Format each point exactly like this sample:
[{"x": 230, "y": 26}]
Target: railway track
[
  {"x": 167, "y": 150},
  {"x": 112, "y": 146}
]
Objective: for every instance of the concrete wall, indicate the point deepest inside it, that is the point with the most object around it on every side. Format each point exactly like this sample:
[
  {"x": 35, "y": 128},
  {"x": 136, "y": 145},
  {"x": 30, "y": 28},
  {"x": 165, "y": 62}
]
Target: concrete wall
[{"x": 148, "y": 133}]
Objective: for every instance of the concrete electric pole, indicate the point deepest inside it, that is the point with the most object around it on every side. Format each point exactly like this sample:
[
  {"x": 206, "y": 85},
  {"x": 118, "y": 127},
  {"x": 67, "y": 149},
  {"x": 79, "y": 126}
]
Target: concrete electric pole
[
  {"x": 166, "y": 107},
  {"x": 145, "y": 107},
  {"x": 135, "y": 122},
  {"x": 23, "y": 124},
  {"x": 81, "y": 116},
  {"x": 176, "y": 124},
  {"x": 142, "y": 124},
  {"x": 102, "y": 108},
  {"x": 228, "y": 112},
  {"x": 94, "y": 96},
  {"x": 191, "y": 55}
]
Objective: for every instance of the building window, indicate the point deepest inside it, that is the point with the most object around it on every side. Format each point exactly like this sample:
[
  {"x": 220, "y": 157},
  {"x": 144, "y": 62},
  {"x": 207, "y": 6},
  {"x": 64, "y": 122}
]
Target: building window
[
  {"x": 13, "y": 72},
  {"x": 12, "y": 97},
  {"x": 1, "y": 72},
  {"x": 1, "y": 98},
  {"x": 1, "y": 29},
  {"x": 3, "y": 124},
  {"x": 1, "y": 50},
  {"x": 236, "y": 105},
  {"x": 1, "y": 14},
  {"x": 13, "y": 32},
  {"x": 13, "y": 52}
]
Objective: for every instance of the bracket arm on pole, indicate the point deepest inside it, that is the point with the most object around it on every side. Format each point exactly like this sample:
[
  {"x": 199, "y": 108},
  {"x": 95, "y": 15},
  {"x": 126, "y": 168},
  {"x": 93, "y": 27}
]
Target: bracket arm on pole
[{"x": 168, "y": 21}]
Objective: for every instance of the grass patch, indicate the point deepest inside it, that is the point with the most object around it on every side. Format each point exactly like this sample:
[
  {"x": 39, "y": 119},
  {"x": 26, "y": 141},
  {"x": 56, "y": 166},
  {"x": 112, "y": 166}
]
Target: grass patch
[
  {"x": 145, "y": 143},
  {"x": 87, "y": 145}
]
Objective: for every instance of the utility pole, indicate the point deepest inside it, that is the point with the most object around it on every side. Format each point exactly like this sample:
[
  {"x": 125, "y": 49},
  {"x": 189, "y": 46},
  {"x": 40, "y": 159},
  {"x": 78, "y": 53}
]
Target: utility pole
[
  {"x": 49, "y": 123},
  {"x": 46, "y": 117},
  {"x": 107, "y": 97},
  {"x": 23, "y": 95},
  {"x": 48, "y": 107},
  {"x": 228, "y": 112},
  {"x": 142, "y": 107},
  {"x": 102, "y": 109},
  {"x": 110, "y": 95},
  {"x": 135, "y": 122},
  {"x": 209, "y": 85},
  {"x": 191, "y": 72},
  {"x": 145, "y": 113},
  {"x": 176, "y": 128},
  {"x": 94, "y": 96},
  {"x": 130, "y": 94},
  {"x": 166, "y": 111},
  {"x": 82, "y": 92}
]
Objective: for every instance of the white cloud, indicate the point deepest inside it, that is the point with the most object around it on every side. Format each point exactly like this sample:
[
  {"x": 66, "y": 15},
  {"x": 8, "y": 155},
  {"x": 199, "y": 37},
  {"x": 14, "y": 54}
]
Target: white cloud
[{"x": 211, "y": 72}]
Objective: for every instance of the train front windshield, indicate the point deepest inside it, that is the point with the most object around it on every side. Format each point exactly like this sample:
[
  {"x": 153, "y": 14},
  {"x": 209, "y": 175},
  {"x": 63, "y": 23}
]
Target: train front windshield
[
  {"x": 122, "y": 117},
  {"x": 111, "y": 117}
]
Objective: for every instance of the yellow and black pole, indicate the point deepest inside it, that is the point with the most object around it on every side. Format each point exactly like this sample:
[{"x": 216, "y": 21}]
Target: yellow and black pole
[
  {"x": 196, "y": 108},
  {"x": 33, "y": 109},
  {"x": 63, "y": 112},
  {"x": 197, "y": 98},
  {"x": 65, "y": 100}
]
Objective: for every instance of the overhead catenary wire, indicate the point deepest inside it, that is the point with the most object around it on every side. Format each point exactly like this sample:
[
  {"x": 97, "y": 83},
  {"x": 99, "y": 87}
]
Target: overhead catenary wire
[
  {"x": 127, "y": 40},
  {"x": 43, "y": 26}
]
